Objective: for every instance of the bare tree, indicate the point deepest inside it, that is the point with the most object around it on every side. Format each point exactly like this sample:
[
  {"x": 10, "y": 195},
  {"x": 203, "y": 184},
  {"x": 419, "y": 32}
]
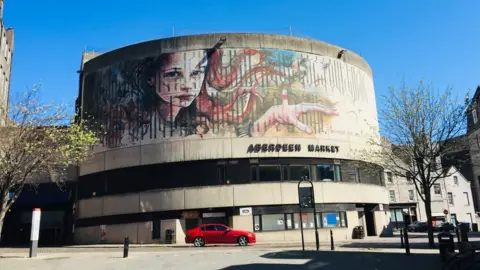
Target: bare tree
[
  {"x": 419, "y": 125},
  {"x": 37, "y": 140}
]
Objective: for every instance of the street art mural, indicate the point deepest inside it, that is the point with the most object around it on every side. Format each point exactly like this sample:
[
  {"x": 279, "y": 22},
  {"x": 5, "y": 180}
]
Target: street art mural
[{"x": 222, "y": 93}]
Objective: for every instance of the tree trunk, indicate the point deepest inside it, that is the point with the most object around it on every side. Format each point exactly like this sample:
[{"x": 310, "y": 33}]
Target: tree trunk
[
  {"x": 4, "y": 196},
  {"x": 428, "y": 212}
]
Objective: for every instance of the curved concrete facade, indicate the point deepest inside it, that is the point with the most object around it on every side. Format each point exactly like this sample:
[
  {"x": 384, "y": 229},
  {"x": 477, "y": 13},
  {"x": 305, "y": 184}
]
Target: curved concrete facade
[
  {"x": 230, "y": 196},
  {"x": 229, "y": 98},
  {"x": 254, "y": 90}
]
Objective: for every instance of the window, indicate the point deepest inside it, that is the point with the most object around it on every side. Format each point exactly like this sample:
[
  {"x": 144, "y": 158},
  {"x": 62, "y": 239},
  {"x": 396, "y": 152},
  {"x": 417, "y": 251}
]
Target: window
[
  {"x": 389, "y": 177},
  {"x": 396, "y": 215},
  {"x": 289, "y": 224},
  {"x": 422, "y": 189},
  {"x": 220, "y": 228},
  {"x": 328, "y": 172},
  {"x": 270, "y": 173},
  {"x": 437, "y": 189},
  {"x": 299, "y": 171},
  {"x": 409, "y": 178},
  {"x": 331, "y": 219},
  {"x": 411, "y": 195},
  {"x": 256, "y": 223},
  {"x": 254, "y": 173},
  {"x": 467, "y": 200},
  {"x": 455, "y": 180},
  {"x": 209, "y": 228},
  {"x": 450, "y": 198},
  {"x": 357, "y": 174},
  {"x": 273, "y": 222},
  {"x": 221, "y": 174},
  {"x": 381, "y": 179},
  {"x": 392, "y": 195},
  {"x": 307, "y": 221},
  {"x": 475, "y": 116},
  {"x": 293, "y": 221}
]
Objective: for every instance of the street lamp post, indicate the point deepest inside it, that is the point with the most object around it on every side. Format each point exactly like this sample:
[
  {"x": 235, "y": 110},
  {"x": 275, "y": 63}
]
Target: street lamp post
[{"x": 307, "y": 201}]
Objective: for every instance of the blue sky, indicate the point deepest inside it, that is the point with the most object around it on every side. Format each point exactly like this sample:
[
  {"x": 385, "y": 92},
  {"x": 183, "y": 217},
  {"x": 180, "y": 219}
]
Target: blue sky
[{"x": 434, "y": 40}]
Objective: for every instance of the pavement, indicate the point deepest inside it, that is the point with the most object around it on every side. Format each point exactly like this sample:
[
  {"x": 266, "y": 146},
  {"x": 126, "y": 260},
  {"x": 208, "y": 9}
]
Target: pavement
[
  {"x": 369, "y": 253},
  {"x": 232, "y": 258}
]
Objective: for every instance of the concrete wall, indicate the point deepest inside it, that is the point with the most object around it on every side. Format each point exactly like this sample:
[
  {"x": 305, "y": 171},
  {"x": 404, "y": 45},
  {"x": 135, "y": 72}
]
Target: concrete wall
[
  {"x": 224, "y": 196},
  {"x": 141, "y": 232},
  {"x": 336, "y": 97},
  {"x": 138, "y": 233}
]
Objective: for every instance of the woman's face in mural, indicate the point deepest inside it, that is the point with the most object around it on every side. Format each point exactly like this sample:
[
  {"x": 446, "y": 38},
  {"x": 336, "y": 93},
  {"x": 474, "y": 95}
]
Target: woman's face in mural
[{"x": 181, "y": 77}]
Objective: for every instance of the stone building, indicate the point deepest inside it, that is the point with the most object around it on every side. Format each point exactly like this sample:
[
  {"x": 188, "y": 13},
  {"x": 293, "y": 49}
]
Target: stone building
[
  {"x": 473, "y": 135},
  {"x": 451, "y": 193},
  {"x": 6, "y": 53}
]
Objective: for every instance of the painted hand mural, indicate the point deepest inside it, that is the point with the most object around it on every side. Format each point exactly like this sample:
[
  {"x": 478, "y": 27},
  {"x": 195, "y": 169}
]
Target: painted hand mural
[{"x": 225, "y": 93}]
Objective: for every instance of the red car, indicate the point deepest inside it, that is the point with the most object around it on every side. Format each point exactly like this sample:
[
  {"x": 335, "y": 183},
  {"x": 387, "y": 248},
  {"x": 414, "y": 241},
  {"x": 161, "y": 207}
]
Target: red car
[{"x": 218, "y": 234}]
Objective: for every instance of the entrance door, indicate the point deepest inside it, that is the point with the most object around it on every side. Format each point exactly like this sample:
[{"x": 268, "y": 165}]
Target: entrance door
[
  {"x": 370, "y": 220},
  {"x": 453, "y": 218}
]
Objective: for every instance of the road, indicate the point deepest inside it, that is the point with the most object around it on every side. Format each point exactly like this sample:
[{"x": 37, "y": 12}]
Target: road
[{"x": 376, "y": 253}]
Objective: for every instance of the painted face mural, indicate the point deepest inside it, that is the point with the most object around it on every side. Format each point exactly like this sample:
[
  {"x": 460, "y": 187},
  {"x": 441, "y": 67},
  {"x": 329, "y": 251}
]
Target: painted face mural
[
  {"x": 179, "y": 78},
  {"x": 224, "y": 93}
]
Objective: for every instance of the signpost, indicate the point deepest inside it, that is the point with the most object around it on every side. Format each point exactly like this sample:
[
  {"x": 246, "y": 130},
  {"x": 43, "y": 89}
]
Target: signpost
[
  {"x": 35, "y": 231},
  {"x": 306, "y": 200}
]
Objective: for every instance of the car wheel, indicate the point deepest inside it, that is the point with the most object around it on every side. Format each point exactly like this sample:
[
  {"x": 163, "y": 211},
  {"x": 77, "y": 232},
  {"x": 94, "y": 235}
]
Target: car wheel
[
  {"x": 198, "y": 242},
  {"x": 242, "y": 241}
]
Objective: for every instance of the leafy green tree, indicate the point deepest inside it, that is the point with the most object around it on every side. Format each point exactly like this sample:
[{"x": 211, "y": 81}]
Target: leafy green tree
[{"x": 38, "y": 140}]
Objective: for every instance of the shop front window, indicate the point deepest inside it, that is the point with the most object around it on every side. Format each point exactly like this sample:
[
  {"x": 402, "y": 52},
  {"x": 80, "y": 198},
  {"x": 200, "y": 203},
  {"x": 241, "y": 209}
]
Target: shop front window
[
  {"x": 274, "y": 222},
  {"x": 333, "y": 219},
  {"x": 307, "y": 221},
  {"x": 293, "y": 221}
]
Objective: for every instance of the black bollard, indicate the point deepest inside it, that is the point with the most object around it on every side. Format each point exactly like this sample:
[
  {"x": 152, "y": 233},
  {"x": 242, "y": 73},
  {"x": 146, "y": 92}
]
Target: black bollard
[
  {"x": 458, "y": 234},
  {"x": 332, "y": 247},
  {"x": 407, "y": 244},
  {"x": 401, "y": 238},
  {"x": 126, "y": 243}
]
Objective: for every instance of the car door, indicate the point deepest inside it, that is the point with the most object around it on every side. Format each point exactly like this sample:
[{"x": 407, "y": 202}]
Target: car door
[
  {"x": 210, "y": 234},
  {"x": 224, "y": 236}
]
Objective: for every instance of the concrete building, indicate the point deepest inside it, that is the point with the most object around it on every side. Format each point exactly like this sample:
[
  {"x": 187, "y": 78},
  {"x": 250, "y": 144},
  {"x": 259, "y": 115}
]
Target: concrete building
[
  {"x": 452, "y": 193},
  {"x": 6, "y": 53},
  {"x": 220, "y": 128}
]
